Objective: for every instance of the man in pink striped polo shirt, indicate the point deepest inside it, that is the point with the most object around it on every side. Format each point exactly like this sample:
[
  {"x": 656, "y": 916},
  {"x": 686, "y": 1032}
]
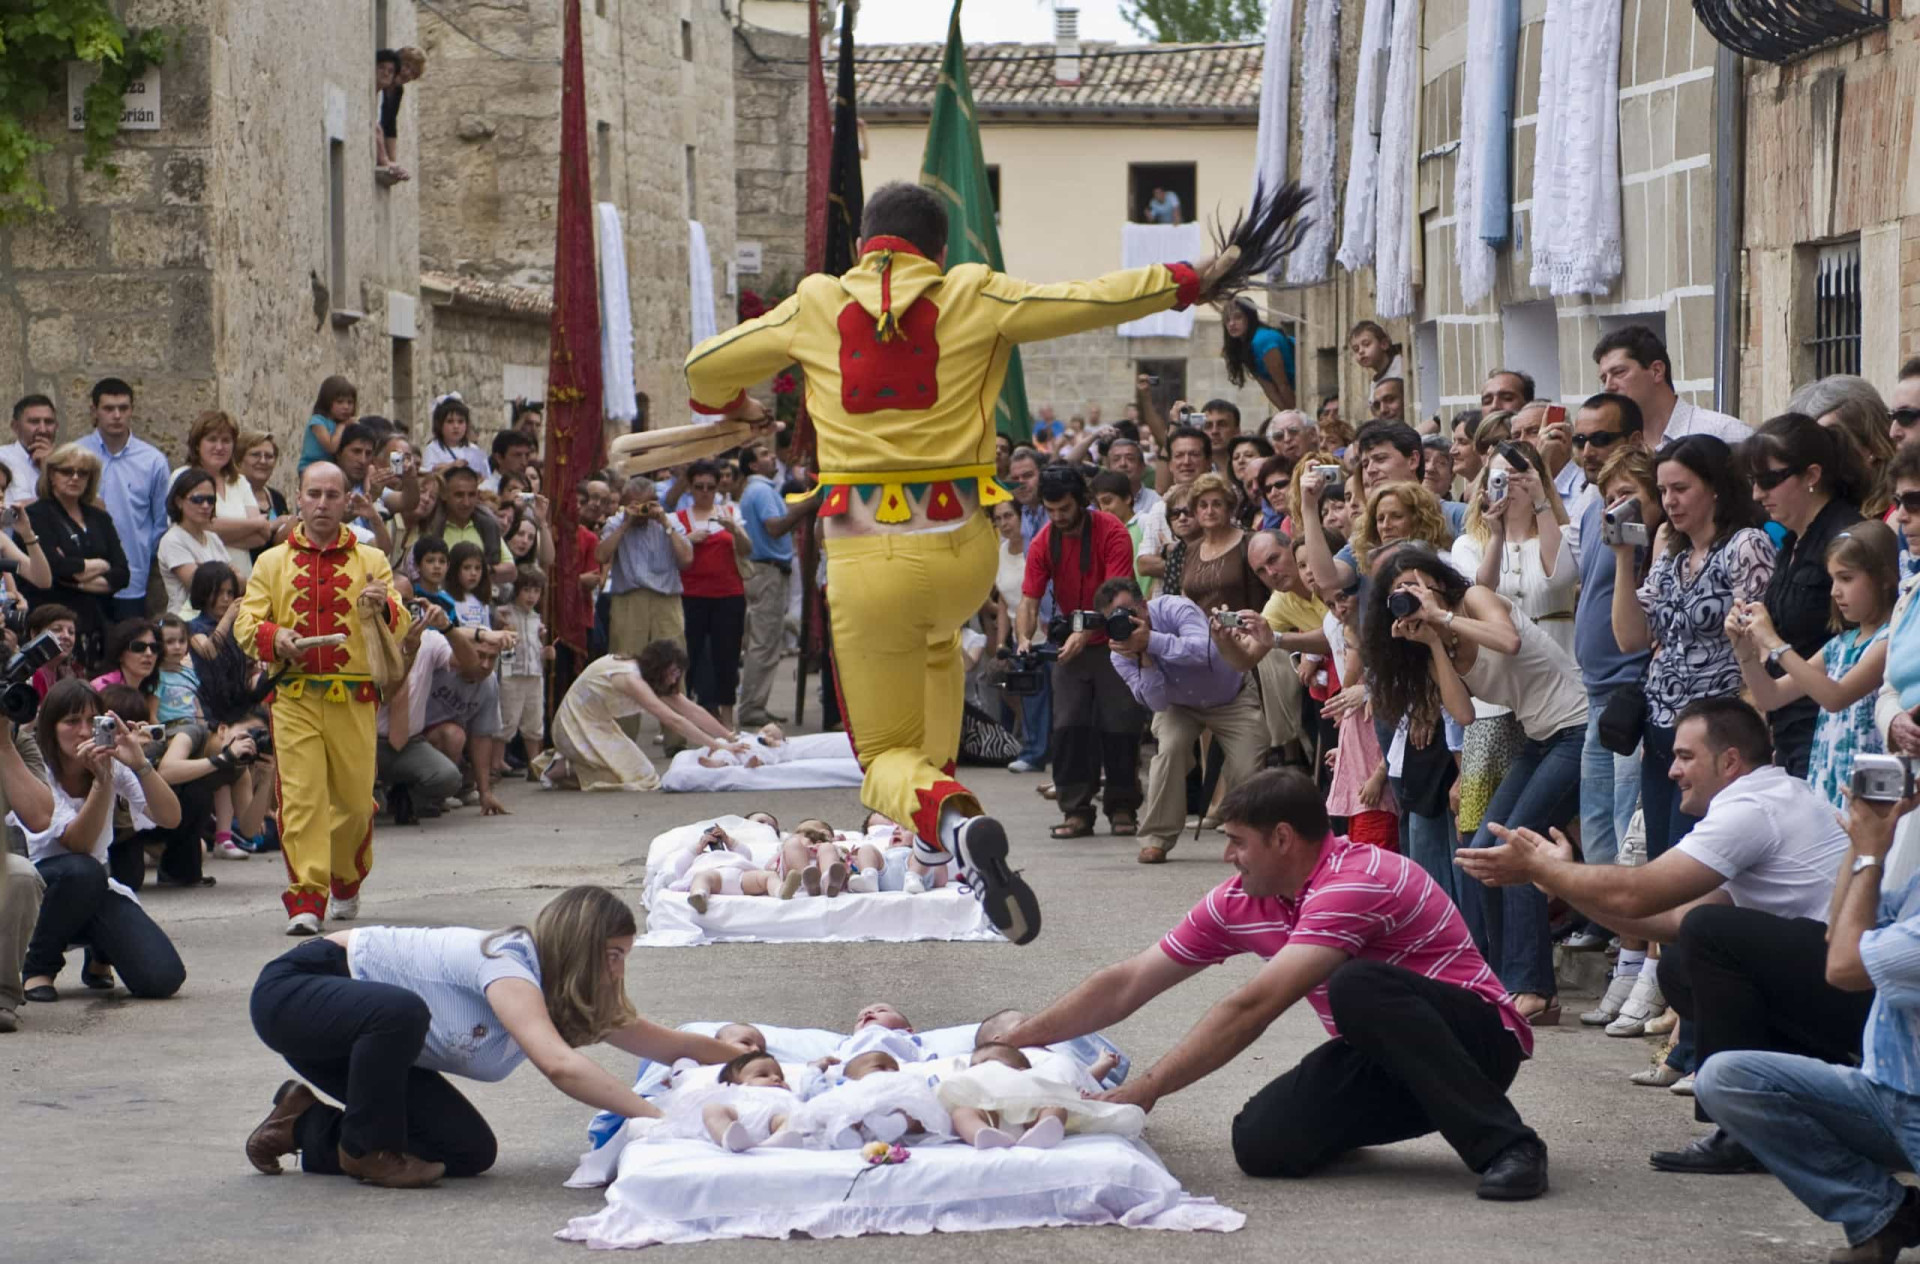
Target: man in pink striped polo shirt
[{"x": 1423, "y": 1038}]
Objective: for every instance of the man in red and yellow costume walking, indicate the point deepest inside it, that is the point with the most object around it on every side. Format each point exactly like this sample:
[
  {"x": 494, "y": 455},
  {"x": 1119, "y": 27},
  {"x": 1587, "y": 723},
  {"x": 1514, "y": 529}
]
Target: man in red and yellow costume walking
[
  {"x": 321, "y": 582},
  {"x": 904, "y": 362}
]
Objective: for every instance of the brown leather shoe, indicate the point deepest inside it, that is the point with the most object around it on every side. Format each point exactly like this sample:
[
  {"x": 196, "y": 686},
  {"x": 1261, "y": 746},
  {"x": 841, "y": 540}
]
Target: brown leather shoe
[
  {"x": 391, "y": 1171},
  {"x": 274, "y": 1136}
]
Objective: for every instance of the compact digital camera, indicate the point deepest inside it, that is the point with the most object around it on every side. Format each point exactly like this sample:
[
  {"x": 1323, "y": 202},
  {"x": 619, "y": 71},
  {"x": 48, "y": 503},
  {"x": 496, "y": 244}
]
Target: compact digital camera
[
  {"x": 1226, "y": 619},
  {"x": 1621, "y": 523},
  {"x": 1497, "y": 486},
  {"x": 1882, "y": 778},
  {"x": 1332, "y": 481}
]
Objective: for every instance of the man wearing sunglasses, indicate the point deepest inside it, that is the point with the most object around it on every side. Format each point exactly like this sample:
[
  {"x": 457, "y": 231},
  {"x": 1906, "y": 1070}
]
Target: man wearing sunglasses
[{"x": 1903, "y": 406}]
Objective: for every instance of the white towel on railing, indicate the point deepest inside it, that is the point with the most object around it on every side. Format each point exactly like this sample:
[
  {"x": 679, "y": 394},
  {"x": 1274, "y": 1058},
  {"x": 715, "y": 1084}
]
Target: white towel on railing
[
  {"x": 616, "y": 317},
  {"x": 1576, "y": 162},
  {"x": 1143, "y": 244},
  {"x": 1393, "y": 231},
  {"x": 1319, "y": 95},
  {"x": 1276, "y": 95},
  {"x": 1473, "y": 257},
  {"x": 700, "y": 294},
  {"x": 1363, "y": 160}
]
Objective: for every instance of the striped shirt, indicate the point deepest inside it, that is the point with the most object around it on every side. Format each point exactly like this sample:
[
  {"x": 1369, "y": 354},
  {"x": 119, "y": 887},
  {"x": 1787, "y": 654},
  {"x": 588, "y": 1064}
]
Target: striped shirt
[
  {"x": 1363, "y": 901},
  {"x": 448, "y": 969},
  {"x": 1891, "y": 954}
]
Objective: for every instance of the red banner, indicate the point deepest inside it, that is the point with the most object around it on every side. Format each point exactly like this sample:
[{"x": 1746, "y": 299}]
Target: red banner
[{"x": 574, "y": 388}]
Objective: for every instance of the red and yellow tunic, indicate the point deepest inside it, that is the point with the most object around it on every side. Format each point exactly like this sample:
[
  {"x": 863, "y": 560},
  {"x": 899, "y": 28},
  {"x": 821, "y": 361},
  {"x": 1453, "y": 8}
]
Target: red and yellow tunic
[
  {"x": 904, "y": 364},
  {"x": 313, "y": 591}
]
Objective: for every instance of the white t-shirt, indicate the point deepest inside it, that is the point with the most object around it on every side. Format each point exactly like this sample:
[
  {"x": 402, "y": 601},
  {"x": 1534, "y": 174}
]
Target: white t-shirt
[
  {"x": 438, "y": 456},
  {"x": 236, "y": 503},
  {"x": 1687, "y": 419},
  {"x": 26, "y": 479},
  {"x": 179, "y": 548},
  {"x": 450, "y": 970},
  {"x": 45, "y": 843},
  {"x": 1775, "y": 840},
  {"x": 1154, "y": 533},
  {"x": 434, "y": 654}
]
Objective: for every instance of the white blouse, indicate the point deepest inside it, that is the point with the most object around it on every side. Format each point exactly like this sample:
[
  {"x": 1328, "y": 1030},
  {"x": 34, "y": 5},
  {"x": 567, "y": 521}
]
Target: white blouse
[{"x": 1546, "y": 599}]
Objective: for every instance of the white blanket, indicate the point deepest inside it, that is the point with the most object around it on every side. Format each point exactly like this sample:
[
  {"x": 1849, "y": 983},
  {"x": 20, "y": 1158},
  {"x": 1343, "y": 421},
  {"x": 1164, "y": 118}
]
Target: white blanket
[
  {"x": 948, "y": 912},
  {"x": 1144, "y": 244},
  {"x": 1576, "y": 163},
  {"x": 616, "y": 317},
  {"x": 693, "y": 1191},
  {"x": 819, "y": 761}
]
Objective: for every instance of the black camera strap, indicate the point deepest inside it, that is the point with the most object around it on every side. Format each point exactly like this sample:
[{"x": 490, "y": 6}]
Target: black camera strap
[{"x": 1054, "y": 545}]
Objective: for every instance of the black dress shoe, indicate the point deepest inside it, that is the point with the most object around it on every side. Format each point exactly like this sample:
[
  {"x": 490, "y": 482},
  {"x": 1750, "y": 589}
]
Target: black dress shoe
[
  {"x": 1716, "y": 1154},
  {"x": 42, "y": 995},
  {"x": 1894, "y": 1237},
  {"x": 1517, "y": 1173},
  {"x": 400, "y": 805}
]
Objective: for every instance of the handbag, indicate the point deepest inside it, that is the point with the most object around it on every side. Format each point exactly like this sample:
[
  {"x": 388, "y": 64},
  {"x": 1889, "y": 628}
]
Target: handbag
[
  {"x": 1623, "y": 720},
  {"x": 386, "y": 661}
]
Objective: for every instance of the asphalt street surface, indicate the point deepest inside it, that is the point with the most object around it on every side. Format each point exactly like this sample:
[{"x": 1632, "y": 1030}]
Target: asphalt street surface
[{"x": 121, "y": 1121}]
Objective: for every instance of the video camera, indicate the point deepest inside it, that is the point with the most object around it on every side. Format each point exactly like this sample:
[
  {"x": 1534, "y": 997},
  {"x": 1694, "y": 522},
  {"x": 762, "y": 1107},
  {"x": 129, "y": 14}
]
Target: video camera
[
  {"x": 1026, "y": 673},
  {"x": 1117, "y": 623},
  {"x": 1622, "y": 523},
  {"x": 18, "y": 698}
]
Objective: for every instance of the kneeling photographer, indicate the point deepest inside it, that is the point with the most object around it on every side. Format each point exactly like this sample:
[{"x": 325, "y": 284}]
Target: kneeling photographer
[
  {"x": 1193, "y": 672},
  {"x": 1096, "y": 723}
]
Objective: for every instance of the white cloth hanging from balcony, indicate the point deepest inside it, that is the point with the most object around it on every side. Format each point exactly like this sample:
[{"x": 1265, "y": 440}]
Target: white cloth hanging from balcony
[
  {"x": 1363, "y": 160},
  {"x": 1143, "y": 244},
  {"x": 1319, "y": 95},
  {"x": 1576, "y": 160},
  {"x": 700, "y": 293},
  {"x": 1276, "y": 94},
  {"x": 1393, "y": 231},
  {"x": 1471, "y": 168},
  {"x": 616, "y": 318}
]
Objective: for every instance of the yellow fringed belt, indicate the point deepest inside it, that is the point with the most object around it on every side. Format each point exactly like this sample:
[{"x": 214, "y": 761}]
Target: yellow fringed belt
[{"x": 939, "y": 490}]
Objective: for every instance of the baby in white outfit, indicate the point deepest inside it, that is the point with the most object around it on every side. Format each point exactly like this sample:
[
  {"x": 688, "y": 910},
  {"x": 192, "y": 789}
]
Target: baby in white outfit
[
  {"x": 717, "y": 864},
  {"x": 751, "y": 750}
]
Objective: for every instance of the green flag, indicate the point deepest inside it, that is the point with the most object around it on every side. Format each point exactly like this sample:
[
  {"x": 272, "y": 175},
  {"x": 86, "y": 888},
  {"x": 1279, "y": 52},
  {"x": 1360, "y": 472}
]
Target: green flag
[{"x": 955, "y": 170}]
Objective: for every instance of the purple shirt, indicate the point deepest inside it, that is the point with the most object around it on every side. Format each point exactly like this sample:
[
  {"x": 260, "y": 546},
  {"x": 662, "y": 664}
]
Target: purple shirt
[{"x": 1183, "y": 666}]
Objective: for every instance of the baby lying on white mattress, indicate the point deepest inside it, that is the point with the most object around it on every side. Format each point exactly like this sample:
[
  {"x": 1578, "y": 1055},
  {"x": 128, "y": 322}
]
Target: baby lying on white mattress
[{"x": 761, "y": 749}]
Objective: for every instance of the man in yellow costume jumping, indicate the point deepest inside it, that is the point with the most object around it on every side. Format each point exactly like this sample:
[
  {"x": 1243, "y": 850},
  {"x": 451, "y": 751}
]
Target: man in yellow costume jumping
[
  {"x": 321, "y": 583},
  {"x": 904, "y": 362}
]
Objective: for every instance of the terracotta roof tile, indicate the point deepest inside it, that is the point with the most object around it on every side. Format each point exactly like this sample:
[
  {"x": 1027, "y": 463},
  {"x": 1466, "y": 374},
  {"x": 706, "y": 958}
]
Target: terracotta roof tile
[
  {"x": 1114, "y": 78},
  {"x": 475, "y": 294}
]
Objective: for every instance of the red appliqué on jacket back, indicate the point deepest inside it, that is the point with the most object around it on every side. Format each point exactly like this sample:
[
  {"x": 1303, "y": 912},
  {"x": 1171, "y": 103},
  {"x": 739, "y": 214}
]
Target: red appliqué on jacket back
[{"x": 900, "y": 373}]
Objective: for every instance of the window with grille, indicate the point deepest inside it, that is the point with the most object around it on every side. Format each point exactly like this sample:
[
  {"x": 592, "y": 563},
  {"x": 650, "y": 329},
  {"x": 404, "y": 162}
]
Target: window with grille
[{"x": 1836, "y": 309}]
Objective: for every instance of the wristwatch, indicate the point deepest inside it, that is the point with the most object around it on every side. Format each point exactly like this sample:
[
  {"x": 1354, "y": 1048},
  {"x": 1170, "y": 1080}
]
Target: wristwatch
[
  {"x": 1539, "y": 507},
  {"x": 1865, "y": 862},
  {"x": 1776, "y": 654}
]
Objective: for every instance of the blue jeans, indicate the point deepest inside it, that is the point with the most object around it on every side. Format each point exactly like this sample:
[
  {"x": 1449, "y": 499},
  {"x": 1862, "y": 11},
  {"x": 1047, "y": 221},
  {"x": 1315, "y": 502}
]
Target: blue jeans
[
  {"x": 1609, "y": 791},
  {"x": 1833, "y": 1137},
  {"x": 1430, "y": 842},
  {"x": 1037, "y": 708},
  {"x": 1509, "y": 924},
  {"x": 1659, "y": 797}
]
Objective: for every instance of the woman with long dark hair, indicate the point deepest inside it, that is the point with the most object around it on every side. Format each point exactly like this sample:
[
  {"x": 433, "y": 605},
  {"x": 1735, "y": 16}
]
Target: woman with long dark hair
[
  {"x": 1434, "y": 643},
  {"x": 1707, "y": 556},
  {"x": 1810, "y": 480},
  {"x": 1253, "y": 348},
  {"x": 377, "y": 1017},
  {"x": 1247, "y": 454}
]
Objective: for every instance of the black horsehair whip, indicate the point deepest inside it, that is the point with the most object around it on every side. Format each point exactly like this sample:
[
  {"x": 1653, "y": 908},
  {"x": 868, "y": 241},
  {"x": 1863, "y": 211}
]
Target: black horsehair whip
[{"x": 1261, "y": 237}]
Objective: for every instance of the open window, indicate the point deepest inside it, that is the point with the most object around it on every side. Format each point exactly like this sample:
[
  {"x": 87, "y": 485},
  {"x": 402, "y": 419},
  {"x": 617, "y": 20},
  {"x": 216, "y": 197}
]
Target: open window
[{"x": 1168, "y": 178}]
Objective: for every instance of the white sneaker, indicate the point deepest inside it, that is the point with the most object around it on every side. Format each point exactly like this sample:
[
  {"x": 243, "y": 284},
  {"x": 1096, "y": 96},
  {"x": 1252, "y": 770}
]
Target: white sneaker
[
  {"x": 227, "y": 849},
  {"x": 1021, "y": 765},
  {"x": 471, "y": 798},
  {"x": 452, "y": 803},
  {"x": 1682, "y": 1087},
  {"x": 301, "y": 925},
  {"x": 865, "y": 882},
  {"x": 1633, "y": 846},
  {"x": 913, "y": 885},
  {"x": 1642, "y": 1004},
  {"x": 1610, "y": 1005},
  {"x": 344, "y": 909},
  {"x": 1585, "y": 941}
]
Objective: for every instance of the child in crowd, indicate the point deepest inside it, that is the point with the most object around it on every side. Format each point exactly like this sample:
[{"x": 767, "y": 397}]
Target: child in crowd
[
  {"x": 466, "y": 585},
  {"x": 1359, "y": 791},
  {"x": 1001, "y": 1091},
  {"x": 430, "y": 561},
  {"x": 717, "y": 864},
  {"x": 179, "y": 684},
  {"x": 452, "y": 439},
  {"x": 1844, "y": 677},
  {"x": 523, "y": 698},
  {"x": 333, "y": 411},
  {"x": 215, "y": 587}
]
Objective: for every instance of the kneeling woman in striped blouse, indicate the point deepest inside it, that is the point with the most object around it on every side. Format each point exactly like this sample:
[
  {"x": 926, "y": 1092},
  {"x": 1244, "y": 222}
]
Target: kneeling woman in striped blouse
[{"x": 373, "y": 1016}]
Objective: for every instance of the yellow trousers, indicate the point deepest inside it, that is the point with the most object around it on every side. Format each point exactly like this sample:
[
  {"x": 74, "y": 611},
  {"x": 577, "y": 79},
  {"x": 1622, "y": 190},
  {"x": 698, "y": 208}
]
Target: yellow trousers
[
  {"x": 324, "y": 753},
  {"x": 897, "y": 603}
]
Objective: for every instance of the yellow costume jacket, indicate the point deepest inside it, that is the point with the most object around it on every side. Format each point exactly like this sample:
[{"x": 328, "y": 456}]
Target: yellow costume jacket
[
  {"x": 904, "y": 362},
  {"x": 313, "y": 591}
]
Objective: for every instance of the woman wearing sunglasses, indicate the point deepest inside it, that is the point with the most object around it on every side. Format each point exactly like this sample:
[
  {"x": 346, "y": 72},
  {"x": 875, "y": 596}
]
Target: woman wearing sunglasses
[
  {"x": 191, "y": 540},
  {"x": 82, "y": 546},
  {"x": 132, "y": 658},
  {"x": 1810, "y": 481}
]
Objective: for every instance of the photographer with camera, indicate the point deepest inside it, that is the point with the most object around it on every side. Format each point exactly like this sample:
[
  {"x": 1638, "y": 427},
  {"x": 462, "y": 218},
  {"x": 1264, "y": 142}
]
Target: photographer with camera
[
  {"x": 1741, "y": 903},
  {"x": 1193, "y": 672},
  {"x": 1096, "y": 723}
]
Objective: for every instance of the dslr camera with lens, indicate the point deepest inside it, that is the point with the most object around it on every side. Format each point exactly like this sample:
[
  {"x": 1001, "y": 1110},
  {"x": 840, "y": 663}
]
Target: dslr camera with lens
[
  {"x": 19, "y": 700},
  {"x": 1403, "y": 604}
]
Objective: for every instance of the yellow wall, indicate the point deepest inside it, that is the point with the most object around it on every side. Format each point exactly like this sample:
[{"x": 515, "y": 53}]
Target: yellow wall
[{"x": 1063, "y": 187}]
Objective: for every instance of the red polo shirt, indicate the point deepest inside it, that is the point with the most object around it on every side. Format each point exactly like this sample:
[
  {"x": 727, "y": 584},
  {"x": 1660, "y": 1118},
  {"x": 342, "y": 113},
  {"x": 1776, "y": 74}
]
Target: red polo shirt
[{"x": 1079, "y": 577}]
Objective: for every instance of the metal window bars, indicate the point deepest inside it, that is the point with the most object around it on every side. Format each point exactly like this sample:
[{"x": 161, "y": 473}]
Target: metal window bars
[
  {"x": 1836, "y": 310},
  {"x": 1781, "y": 31}
]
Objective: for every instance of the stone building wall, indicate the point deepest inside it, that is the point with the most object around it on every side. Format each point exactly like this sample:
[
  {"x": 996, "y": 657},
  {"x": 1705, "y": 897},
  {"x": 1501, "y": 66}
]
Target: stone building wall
[
  {"x": 770, "y": 154},
  {"x": 1099, "y": 367},
  {"x": 1811, "y": 126},
  {"x": 491, "y": 177}
]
